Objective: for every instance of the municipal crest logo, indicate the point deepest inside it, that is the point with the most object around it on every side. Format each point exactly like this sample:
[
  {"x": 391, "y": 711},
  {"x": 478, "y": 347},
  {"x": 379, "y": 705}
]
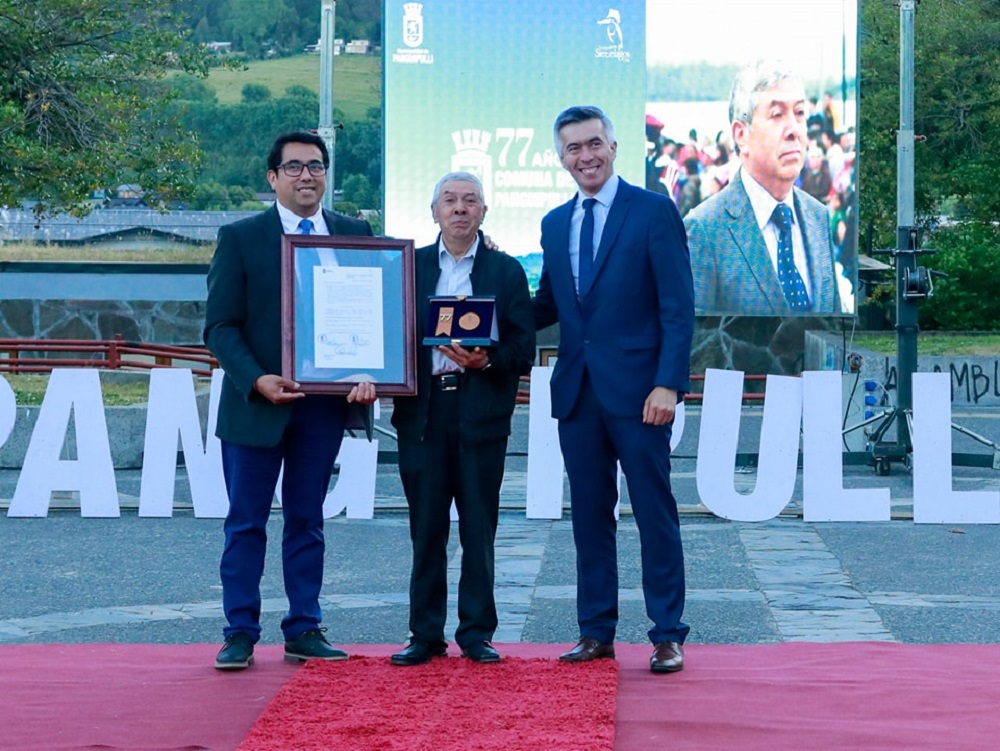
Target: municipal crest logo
[
  {"x": 413, "y": 24},
  {"x": 472, "y": 155}
]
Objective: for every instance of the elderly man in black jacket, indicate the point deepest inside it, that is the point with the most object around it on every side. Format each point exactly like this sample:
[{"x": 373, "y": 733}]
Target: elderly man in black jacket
[{"x": 453, "y": 435}]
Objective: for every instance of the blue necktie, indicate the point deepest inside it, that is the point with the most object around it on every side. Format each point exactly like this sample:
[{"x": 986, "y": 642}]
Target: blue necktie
[
  {"x": 306, "y": 227},
  {"x": 788, "y": 276},
  {"x": 586, "y": 247}
]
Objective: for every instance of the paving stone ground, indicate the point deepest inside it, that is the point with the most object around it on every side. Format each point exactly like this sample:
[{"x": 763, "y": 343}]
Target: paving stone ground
[{"x": 134, "y": 580}]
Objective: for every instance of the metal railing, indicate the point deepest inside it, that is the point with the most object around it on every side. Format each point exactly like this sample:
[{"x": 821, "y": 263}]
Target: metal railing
[
  {"x": 753, "y": 396},
  {"x": 42, "y": 355}
]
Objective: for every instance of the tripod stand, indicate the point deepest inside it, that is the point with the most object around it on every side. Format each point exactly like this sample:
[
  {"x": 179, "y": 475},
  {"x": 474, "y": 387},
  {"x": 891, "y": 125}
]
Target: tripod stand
[{"x": 913, "y": 283}]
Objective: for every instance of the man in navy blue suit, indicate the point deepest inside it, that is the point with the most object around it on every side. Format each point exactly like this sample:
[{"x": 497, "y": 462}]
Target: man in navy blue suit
[{"x": 616, "y": 275}]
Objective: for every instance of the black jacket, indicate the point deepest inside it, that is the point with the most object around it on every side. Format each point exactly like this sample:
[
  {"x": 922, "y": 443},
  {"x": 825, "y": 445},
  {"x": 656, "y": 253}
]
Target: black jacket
[
  {"x": 486, "y": 397},
  {"x": 243, "y": 321}
]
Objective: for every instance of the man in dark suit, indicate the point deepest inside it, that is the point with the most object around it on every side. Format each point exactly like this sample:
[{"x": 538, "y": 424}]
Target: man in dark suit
[
  {"x": 617, "y": 277},
  {"x": 760, "y": 246},
  {"x": 264, "y": 421},
  {"x": 453, "y": 434}
]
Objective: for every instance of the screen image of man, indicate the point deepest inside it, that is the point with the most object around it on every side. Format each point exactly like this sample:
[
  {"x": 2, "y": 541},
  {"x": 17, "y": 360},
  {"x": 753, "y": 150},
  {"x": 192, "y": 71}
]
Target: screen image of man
[
  {"x": 761, "y": 246},
  {"x": 264, "y": 421},
  {"x": 617, "y": 278},
  {"x": 452, "y": 436}
]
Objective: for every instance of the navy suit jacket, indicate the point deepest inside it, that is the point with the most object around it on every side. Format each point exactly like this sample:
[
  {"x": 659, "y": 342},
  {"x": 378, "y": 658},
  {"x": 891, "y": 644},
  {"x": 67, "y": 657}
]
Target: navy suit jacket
[
  {"x": 243, "y": 322},
  {"x": 632, "y": 329},
  {"x": 733, "y": 272}
]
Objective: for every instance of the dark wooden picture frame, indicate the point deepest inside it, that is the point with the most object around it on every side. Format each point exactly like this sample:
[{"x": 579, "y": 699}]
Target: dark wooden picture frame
[{"x": 378, "y": 275}]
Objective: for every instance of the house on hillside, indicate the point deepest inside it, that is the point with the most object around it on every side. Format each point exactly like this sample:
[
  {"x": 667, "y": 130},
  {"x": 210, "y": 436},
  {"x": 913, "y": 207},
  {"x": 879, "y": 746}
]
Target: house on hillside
[{"x": 358, "y": 47}]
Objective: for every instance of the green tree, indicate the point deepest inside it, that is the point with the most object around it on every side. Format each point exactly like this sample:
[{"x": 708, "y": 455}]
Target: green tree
[
  {"x": 358, "y": 191},
  {"x": 255, "y": 92},
  {"x": 79, "y": 100},
  {"x": 238, "y": 137},
  {"x": 192, "y": 89},
  {"x": 359, "y": 152},
  {"x": 360, "y": 19},
  {"x": 346, "y": 207},
  {"x": 956, "y": 114},
  {"x": 211, "y": 196},
  {"x": 956, "y": 109},
  {"x": 252, "y": 25},
  {"x": 966, "y": 300}
]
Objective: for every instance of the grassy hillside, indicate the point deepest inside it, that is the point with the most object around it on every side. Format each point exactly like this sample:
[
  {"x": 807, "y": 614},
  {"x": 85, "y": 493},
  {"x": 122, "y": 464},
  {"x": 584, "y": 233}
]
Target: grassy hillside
[
  {"x": 357, "y": 80},
  {"x": 933, "y": 343}
]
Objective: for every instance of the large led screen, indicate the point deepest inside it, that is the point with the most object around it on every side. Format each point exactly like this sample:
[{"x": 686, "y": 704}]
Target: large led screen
[{"x": 476, "y": 87}]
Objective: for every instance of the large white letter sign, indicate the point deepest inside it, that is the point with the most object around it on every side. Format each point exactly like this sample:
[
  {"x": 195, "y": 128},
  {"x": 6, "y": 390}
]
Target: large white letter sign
[
  {"x": 934, "y": 499},
  {"x": 544, "y": 499},
  {"x": 545, "y": 463},
  {"x": 719, "y": 438},
  {"x": 355, "y": 487},
  {"x": 8, "y": 410},
  {"x": 173, "y": 412},
  {"x": 78, "y": 392},
  {"x": 824, "y": 498}
]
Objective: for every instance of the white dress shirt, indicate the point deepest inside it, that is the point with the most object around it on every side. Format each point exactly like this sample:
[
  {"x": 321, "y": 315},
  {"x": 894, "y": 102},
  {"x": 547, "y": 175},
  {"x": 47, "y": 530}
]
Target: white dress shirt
[
  {"x": 290, "y": 221},
  {"x": 605, "y": 196},
  {"x": 454, "y": 280}
]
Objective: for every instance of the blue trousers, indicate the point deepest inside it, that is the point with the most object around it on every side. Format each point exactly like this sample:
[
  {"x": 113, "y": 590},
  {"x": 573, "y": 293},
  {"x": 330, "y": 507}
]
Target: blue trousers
[
  {"x": 592, "y": 443},
  {"x": 307, "y": 449}
]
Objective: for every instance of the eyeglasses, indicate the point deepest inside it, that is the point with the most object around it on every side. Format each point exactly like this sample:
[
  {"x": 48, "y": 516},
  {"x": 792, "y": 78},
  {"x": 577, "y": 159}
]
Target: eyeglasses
[{"x": 294, "y": 169}]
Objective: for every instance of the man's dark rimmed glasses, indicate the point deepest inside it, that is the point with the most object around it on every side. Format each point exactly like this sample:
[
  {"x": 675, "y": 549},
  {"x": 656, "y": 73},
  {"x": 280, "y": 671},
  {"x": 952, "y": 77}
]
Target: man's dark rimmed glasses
[{"x": 294, "y": 169}]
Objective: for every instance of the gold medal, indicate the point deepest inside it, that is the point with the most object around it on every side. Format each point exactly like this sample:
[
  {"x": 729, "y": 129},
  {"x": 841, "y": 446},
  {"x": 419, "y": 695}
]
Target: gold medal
[{"x": 469, "y": 322}]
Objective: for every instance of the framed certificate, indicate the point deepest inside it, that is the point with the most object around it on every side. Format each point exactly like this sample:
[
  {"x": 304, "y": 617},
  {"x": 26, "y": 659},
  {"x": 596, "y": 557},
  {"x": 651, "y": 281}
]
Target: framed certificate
[{"x": 347, "y": 306}]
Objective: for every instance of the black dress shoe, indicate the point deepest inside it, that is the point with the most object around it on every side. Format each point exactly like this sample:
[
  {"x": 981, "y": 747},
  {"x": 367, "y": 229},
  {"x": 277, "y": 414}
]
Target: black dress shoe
[
  {"x": 481, "y": 652},
  {"x": 668, "y": 657},
  {"x": 588, "y": 649},
  {"x": 417, "y": 653},
  {"x": 236, "y": 653},
  {"x": 312, "y": 645}
]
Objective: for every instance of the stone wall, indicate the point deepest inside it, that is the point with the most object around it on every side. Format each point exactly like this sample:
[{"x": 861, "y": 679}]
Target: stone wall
[
  {"x": 152, "y": 303},
  {"x": 755, "y": 345},
  {"x": 154, "y": 322}
]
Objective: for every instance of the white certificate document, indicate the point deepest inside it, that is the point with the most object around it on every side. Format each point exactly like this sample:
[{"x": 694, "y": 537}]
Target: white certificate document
[{"x": 347, "y": 310}]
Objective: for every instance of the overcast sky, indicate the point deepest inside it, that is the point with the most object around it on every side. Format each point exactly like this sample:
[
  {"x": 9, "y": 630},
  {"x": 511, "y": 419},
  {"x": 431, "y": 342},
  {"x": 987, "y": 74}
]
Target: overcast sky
[{"x": 804, "y": 33}]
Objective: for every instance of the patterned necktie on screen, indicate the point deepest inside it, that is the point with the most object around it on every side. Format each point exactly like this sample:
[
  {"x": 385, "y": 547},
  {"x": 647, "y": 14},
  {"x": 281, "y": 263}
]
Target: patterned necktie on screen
[
  {"x": 788, "y": 276},
  {"x": 306, "y": 227},
  {"x": 586, "y": 247}
]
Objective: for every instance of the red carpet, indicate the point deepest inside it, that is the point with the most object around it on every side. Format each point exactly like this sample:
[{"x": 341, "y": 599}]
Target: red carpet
[
  {"x": 130, "y": 697},
  {"x": 117, "y": 697},
  {"x": 446, "y": 705},
  {"x": 816, "y": 696}
]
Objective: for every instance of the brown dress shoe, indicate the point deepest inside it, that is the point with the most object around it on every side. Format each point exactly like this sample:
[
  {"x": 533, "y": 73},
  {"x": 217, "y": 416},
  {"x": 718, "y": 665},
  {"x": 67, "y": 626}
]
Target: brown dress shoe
[
  {"x": 668, "y": 657},
  {"x": 588, "y": 649}
]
